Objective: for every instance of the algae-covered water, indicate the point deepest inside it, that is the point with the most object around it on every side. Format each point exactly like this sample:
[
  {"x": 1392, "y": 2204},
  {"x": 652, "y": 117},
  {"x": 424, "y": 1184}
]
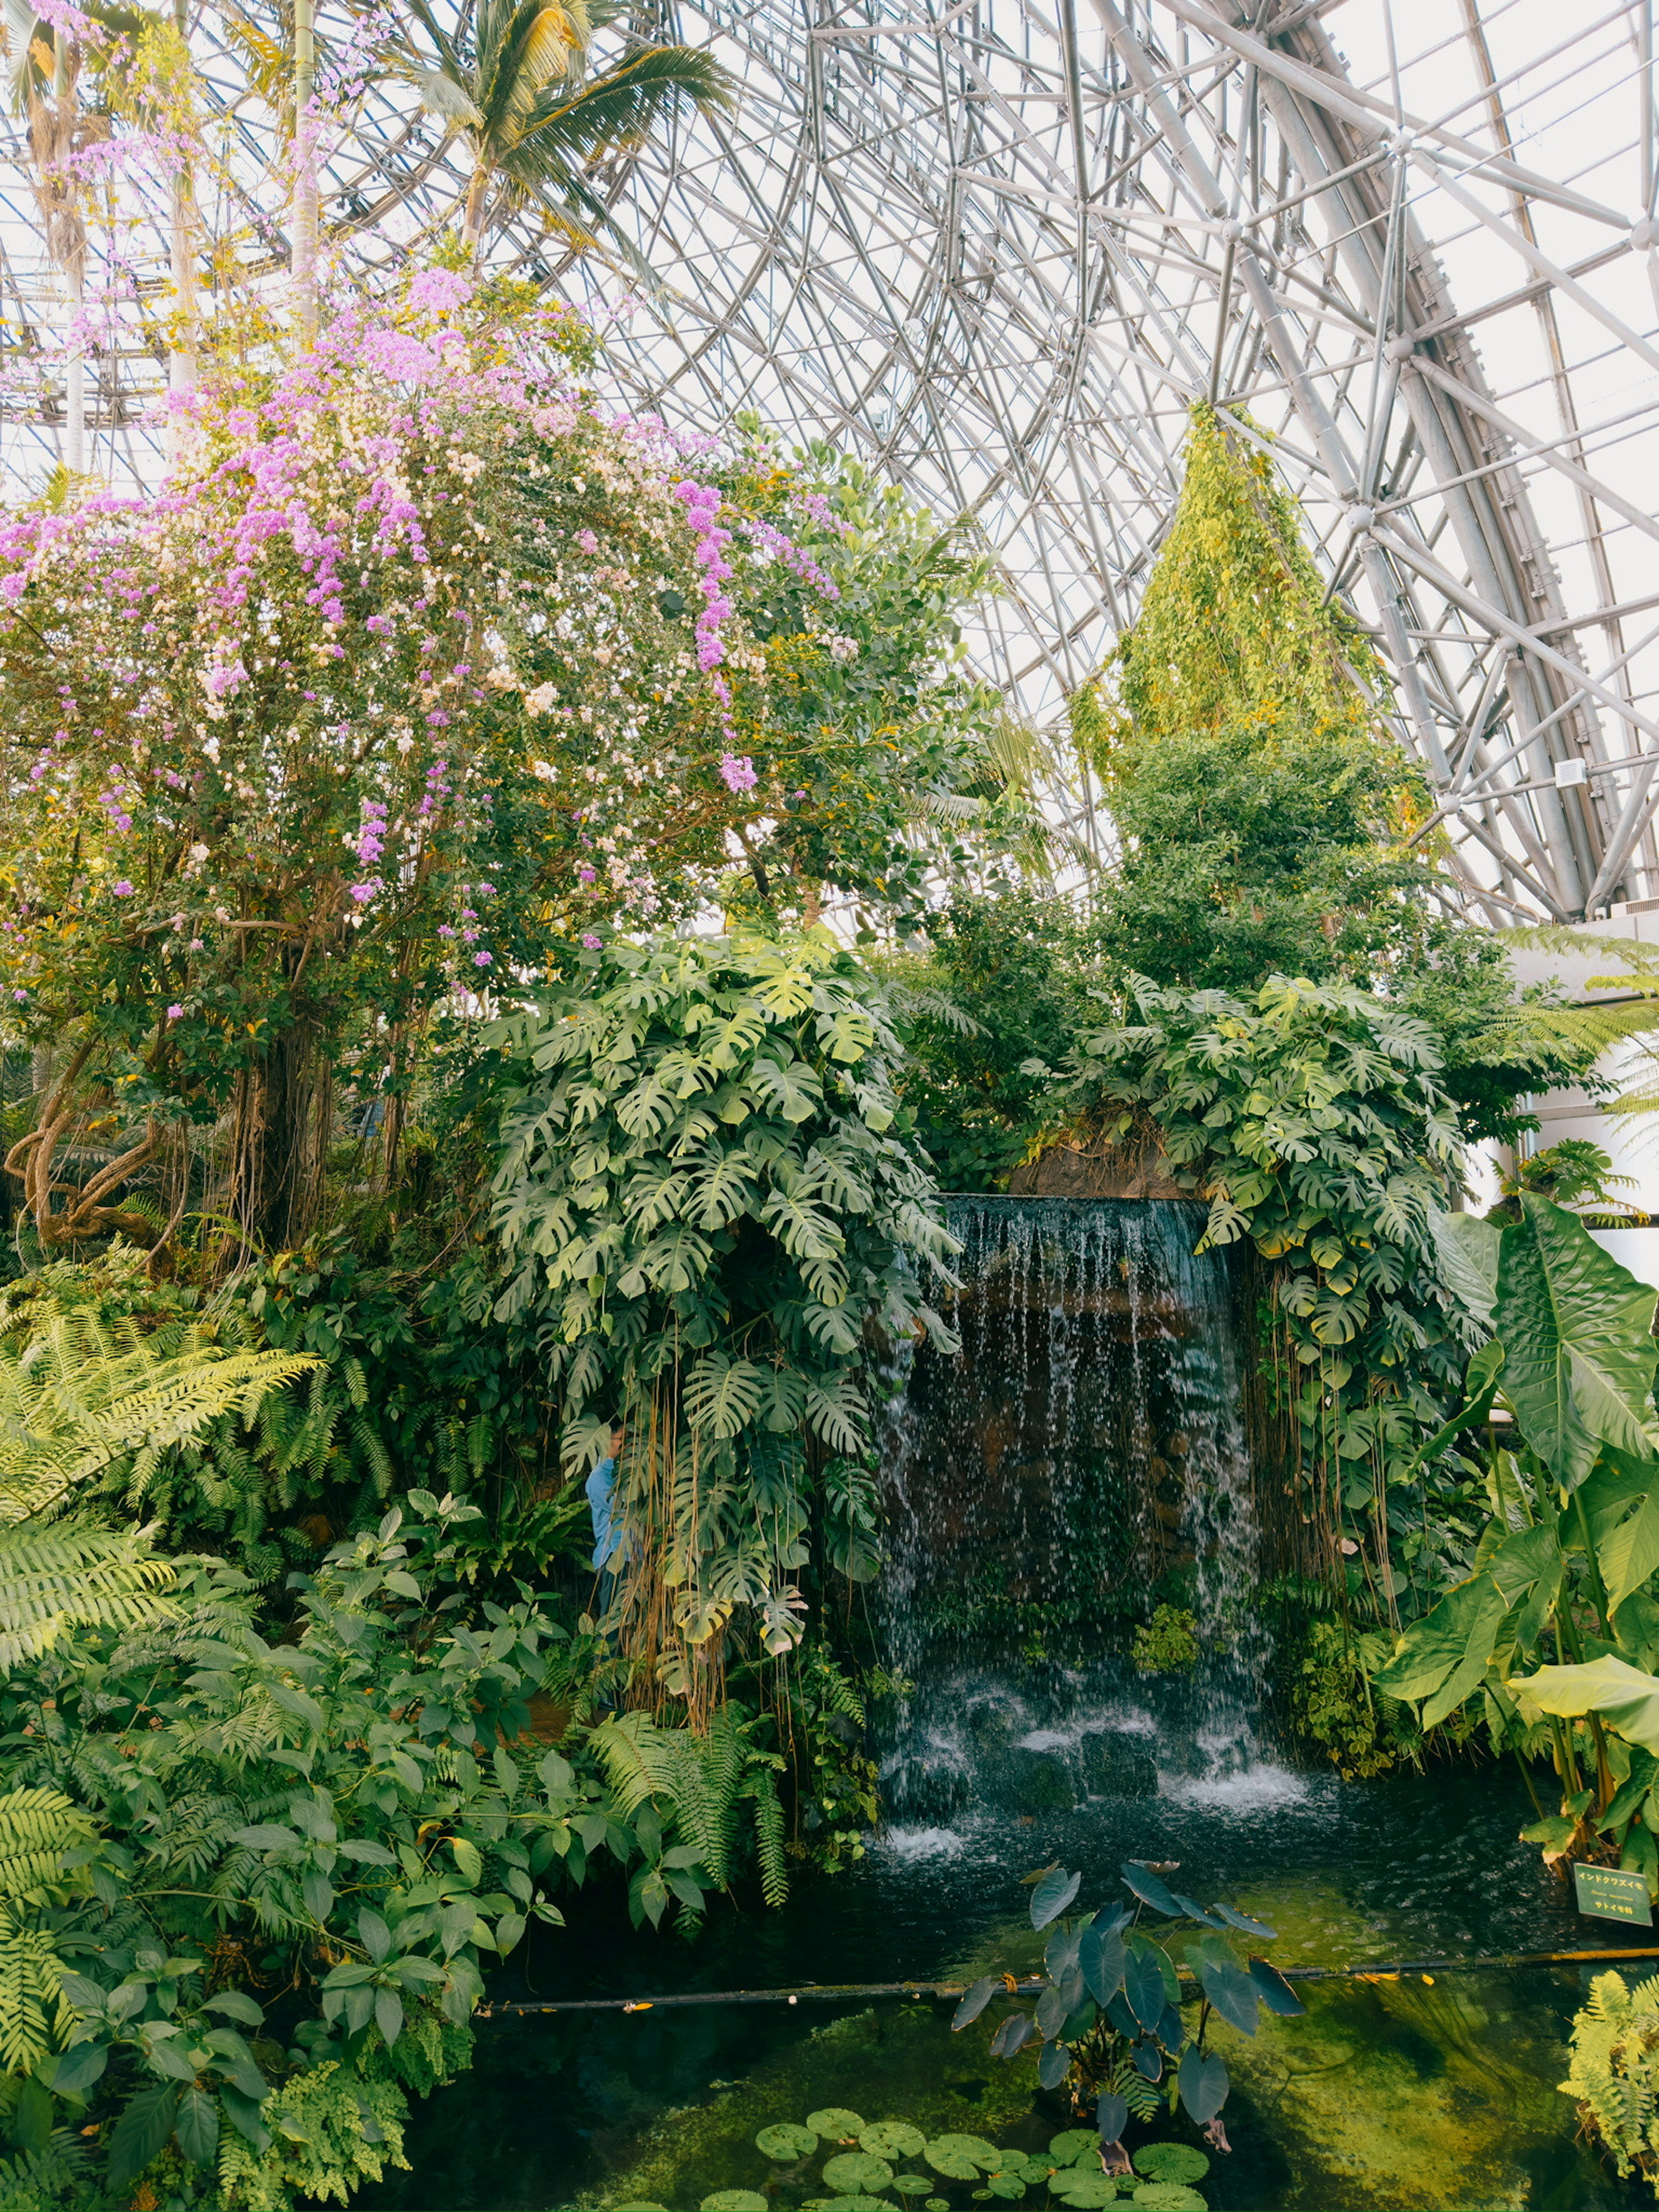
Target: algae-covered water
[{"x": 1390, "y": 2095}]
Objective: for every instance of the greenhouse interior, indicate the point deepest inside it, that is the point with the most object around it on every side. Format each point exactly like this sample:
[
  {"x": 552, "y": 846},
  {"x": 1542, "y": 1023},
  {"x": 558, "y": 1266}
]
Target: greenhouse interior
[{"x": 829, "y": 1079}]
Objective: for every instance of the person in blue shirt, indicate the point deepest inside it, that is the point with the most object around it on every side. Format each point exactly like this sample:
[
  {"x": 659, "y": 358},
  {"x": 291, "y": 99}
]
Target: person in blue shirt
[{"x": 609, "y": 1538}]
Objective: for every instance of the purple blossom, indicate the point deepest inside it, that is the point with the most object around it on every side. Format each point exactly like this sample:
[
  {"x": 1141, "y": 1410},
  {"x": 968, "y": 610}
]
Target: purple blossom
[
  {"x": 438, "y": 290},
  {"x": 19, "y": 996},
  {"x": 591, "y": 942},
  {"x": 482, "y": 959},
  {"x": 175, "y": 1013},
  {"x": 738, "y": 771},
  {"x": 123, "y": 889},
  {"x": 586, "y": 875}
]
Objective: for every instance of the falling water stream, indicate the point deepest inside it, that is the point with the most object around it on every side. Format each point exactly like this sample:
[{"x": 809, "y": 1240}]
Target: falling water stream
[
  {"x": 1083, "y": 1454},
  {"x": 1083, "y": 1459}
]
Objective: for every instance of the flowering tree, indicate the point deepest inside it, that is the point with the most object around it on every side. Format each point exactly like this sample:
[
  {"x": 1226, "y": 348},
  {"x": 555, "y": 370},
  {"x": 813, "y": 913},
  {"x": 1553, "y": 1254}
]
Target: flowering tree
[{"x": 421, "y": 668}]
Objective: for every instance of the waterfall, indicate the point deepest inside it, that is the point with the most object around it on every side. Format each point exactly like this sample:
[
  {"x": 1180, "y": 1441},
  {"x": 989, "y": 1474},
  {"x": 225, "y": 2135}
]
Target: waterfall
[{"x": 1083, "y": 1453}]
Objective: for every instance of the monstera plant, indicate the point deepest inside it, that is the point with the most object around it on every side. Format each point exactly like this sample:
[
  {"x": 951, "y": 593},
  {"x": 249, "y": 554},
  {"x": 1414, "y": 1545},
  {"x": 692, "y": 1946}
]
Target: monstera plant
[
  {"x": 1558, "y": 1420},
  {"x": 1109, "y": 2019}
]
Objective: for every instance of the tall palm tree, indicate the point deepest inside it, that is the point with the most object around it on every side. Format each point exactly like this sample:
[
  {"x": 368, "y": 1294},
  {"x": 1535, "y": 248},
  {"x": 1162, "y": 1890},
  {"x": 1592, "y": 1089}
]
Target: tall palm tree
[{"x": 514, "y": 82}]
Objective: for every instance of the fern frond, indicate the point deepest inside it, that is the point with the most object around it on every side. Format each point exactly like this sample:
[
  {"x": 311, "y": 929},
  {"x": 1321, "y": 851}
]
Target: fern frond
[
  {"x": 37, "y": 1826},
  {"x": 74, "y": 1577},
  {"x": 77, "y": 1393}
]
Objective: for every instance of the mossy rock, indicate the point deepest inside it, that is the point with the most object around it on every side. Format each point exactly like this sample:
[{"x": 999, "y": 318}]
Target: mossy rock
[
  {"x": 787, "y": 2143},
  {"x": 734, "y": 2200},
  {"x": 855, "y": 2173},
  {"x": 1169, "y": 2196},
  {"x": 835, "y": 2124},
  {"x": 892, "y": 2139},
  {"x": 1172, "y": 2162},
  {"x": 962, "y": 2158}
]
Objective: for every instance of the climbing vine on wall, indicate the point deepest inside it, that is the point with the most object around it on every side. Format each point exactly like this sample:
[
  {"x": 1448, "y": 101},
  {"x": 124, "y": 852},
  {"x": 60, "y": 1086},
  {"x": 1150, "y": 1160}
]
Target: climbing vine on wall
[{"x": 1311, "y": 1120}]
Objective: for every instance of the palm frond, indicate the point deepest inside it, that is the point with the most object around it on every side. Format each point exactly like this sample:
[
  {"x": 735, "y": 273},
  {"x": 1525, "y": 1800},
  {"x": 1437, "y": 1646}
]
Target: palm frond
[{"x": 620, "y": 104}]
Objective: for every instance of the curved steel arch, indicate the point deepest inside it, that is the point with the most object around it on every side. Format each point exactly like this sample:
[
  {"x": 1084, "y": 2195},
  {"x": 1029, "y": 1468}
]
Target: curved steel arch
[{"x": 999, "y": 247}]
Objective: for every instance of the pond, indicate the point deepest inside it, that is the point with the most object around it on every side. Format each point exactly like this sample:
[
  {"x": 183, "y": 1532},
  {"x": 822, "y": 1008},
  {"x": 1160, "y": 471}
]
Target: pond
[
  {"x": 1389, "y": 2095},
  {"x": 1086, "y": 1449}
]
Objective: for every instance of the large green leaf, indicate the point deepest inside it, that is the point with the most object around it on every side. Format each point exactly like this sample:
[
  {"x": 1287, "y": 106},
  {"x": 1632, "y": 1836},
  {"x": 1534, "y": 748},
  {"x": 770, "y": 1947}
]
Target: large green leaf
[
  {"x": 1441, "y": 1657},
  {"x": 1576, "y": 1330},
  {"x": 1468, "y": 1248},
  {"x": 1626, "y": 1698}
]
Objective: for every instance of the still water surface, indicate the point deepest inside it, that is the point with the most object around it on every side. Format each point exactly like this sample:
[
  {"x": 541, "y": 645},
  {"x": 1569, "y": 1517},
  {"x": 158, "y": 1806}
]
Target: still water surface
[{"x": 1389, "y": 2096}]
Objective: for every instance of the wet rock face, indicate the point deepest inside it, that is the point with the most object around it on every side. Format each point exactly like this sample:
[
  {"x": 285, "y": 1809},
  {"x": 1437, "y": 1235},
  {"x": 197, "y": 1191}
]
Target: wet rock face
[
  {"x": 1115, "y": 1765},
  {"x": 1030, "y": 1781}
]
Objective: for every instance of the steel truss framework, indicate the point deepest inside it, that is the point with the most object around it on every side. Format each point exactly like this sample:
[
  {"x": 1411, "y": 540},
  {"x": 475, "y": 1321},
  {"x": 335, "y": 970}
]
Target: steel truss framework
[{"x": 1000, "y": 247}]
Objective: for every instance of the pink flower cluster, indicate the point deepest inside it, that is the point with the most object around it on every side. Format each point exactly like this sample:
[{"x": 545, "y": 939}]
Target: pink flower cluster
[
  {"x": 370, "y": 845},
  {"x": 771, "y": 540},
  {"x": 703, "y": 504},
  {"x": 737, "y": 772}
]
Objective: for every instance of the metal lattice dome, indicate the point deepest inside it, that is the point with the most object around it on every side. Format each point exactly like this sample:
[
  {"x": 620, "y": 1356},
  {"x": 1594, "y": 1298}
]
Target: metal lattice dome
[{"x": 1000, "y": 249}]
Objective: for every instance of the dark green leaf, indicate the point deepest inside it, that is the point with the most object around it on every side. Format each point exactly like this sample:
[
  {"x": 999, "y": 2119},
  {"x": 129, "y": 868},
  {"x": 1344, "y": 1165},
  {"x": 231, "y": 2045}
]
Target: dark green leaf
[
  {"x": 1143, "y": 1985},
  {"x": 197, "y": 2127},
  {"x": 1150, "y": 1889},
  {"x": 1245, "y": 1924},
  {"x": 243, "y": 2114},
  {"x": 975, "y": 1999},
  {"x": 1111, "y": 2116},
  {"x": 78, "y": 2069},
  {"x": 1054, "y": 2064},
  {"x": 1202, "y": 2082},
  {"x": 235, "y": 2004},
  {"x": 1227, "y": 1984},
  {"x": 1014, "y": 2033},
  {"x": 141, "y": 2133},
  {"x": 1053, "y": 1894},
  {"x": 1101, "y": 1955},
  {"x": 1274, "y": 1991}
]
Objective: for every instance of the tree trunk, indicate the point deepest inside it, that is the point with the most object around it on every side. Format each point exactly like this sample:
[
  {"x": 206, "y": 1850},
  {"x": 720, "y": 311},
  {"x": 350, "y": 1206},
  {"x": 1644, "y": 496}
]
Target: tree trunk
[
  {"x": 70, "y": 249},
  {"x": 282, "y": 1122},
  {"x": 472, "y": 222},
  {"x": 305, "y": 173}
]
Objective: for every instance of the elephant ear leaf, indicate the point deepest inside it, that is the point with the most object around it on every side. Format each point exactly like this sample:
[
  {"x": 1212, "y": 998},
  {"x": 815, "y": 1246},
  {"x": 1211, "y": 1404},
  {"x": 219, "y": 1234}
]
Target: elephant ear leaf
[
  {"x": 1579, "y": 1354},
  {"x": 1467, "y": 1248},
  {"x": 1440, "y": 1658},
  {"x": 1626, "y": 1698}
]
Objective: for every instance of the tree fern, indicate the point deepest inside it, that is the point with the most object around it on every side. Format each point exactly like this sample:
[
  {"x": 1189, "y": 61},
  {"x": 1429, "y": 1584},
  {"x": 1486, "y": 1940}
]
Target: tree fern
[
  {"x": 700, "y": 1781},
  {"x": 1614, "y": 2072}
]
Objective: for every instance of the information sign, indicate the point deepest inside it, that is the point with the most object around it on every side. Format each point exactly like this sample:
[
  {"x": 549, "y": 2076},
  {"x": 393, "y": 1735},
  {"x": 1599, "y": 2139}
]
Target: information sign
[{"x": 1613, "y": 1893}]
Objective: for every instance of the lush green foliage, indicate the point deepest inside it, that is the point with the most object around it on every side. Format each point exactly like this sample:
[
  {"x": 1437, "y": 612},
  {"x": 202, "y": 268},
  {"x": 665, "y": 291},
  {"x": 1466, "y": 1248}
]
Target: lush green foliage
[
  {"x": 1614, "y": 2073},
  {"x": 1168, "y": 1644},
  {"x": 1109, "y": 2021},
  {"x": 420, "y": 668},
  {"x": 1570, "y": 1543},
  {"x": 704, "y": 1207},
  {"x": 356, "y": 1819}
]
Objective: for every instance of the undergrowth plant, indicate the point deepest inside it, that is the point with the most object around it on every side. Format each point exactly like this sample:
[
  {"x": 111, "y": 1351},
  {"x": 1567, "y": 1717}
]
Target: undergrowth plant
[{"x": 1614, "y": 2073}]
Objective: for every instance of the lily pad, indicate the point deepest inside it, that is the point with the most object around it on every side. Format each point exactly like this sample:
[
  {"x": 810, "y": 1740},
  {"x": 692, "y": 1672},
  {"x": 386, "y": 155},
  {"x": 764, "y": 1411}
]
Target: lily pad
[
  {"x": 1086, "y": 2191},
  {"x": 962, "y": 2158},
  {"x": 1169, "y": 2196},
  {"x": 896, "y": 2139},
  {"x": 1172, "y": 2162},
  {"x": 1006, "y": 2188},
  {"x": 734, "y": 2200},
  {"x": 857, "y": 2172},
  {"x": 854, "y": 2204},
  {"x": 835, "y": 2124},
  {"x": 936, "y": 2205},
  {"x": 787, "y": 2143},
  {"x": 1065, "y": 2149},
  {"x": 913, "y": 2184}
]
